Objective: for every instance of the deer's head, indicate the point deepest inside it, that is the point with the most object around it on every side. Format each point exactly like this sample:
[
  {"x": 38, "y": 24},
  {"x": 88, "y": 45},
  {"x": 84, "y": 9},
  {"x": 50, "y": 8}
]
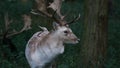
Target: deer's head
[{"x": 65, "y": 33}]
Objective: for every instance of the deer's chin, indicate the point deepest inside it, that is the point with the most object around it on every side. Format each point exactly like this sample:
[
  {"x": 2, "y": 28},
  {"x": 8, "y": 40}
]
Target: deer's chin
[
  {"x": 75, "y": 42},
  {"x": 71, "y": 42}
]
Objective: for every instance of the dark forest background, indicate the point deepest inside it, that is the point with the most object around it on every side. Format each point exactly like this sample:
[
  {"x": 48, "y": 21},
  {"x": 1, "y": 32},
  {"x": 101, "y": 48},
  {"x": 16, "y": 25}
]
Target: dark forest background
[{"x": 12, "y": 48}]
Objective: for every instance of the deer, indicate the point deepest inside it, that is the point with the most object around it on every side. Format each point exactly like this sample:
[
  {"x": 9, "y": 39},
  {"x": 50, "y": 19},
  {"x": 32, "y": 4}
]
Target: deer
[{"x": 44, "y": 46}]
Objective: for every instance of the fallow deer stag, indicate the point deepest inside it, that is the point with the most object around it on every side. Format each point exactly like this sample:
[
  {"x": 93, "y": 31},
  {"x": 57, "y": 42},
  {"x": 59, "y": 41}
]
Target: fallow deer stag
[{"x": 45, "y": 45}]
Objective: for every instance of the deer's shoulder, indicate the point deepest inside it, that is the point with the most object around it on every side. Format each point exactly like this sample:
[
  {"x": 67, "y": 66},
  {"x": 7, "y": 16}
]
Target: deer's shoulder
[{"x": 36, "y": 38}]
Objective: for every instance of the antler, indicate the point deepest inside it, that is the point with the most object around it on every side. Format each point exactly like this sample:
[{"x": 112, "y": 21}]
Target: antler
[
  {"x": 75, "y": 19},
  {"x": 56, "y": 6},
  {"x": 7, "y": 21},
  {"x": 27, "y": 23}
]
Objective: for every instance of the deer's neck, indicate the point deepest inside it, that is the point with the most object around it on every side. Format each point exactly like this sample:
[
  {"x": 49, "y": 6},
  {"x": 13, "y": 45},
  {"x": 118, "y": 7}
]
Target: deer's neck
[
  {"x": 54, "y": 38},
  {"x": 53, "y": 42}
]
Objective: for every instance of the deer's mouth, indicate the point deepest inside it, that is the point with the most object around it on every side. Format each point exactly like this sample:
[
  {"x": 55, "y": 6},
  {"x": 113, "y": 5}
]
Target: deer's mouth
[
  {"x": 72, "y": 41},
  {"x": 75, "y": 40}
]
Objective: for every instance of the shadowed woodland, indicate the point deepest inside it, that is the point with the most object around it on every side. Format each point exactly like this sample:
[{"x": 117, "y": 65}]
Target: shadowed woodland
[{"x": 98, "y": 29}]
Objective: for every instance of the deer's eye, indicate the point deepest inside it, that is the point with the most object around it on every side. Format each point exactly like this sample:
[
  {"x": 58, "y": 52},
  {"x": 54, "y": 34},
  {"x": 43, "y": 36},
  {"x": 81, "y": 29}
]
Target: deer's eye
[{"x": 66, "y": 31}]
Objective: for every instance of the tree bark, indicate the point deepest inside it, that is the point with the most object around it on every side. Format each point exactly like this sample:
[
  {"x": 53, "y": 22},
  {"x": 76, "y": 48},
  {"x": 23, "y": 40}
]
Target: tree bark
[{"x": 93, "y": 49}]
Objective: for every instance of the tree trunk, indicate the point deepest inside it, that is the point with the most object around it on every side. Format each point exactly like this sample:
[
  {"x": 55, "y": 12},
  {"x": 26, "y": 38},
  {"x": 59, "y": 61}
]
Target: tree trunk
[{"x": 93, "y": 49}]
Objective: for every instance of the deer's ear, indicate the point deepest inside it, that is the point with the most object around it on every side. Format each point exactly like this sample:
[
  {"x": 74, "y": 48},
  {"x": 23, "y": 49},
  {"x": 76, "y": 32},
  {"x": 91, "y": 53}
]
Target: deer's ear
[{"x": 55, "y": 25}]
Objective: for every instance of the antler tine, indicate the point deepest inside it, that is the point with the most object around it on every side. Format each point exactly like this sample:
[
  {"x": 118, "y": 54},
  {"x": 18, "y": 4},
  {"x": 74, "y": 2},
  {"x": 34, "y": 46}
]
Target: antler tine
[
  {"x": 75, "y": 19},
  {"x": 55, "y": 19},
  {"x": 38, "y": 12}
]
